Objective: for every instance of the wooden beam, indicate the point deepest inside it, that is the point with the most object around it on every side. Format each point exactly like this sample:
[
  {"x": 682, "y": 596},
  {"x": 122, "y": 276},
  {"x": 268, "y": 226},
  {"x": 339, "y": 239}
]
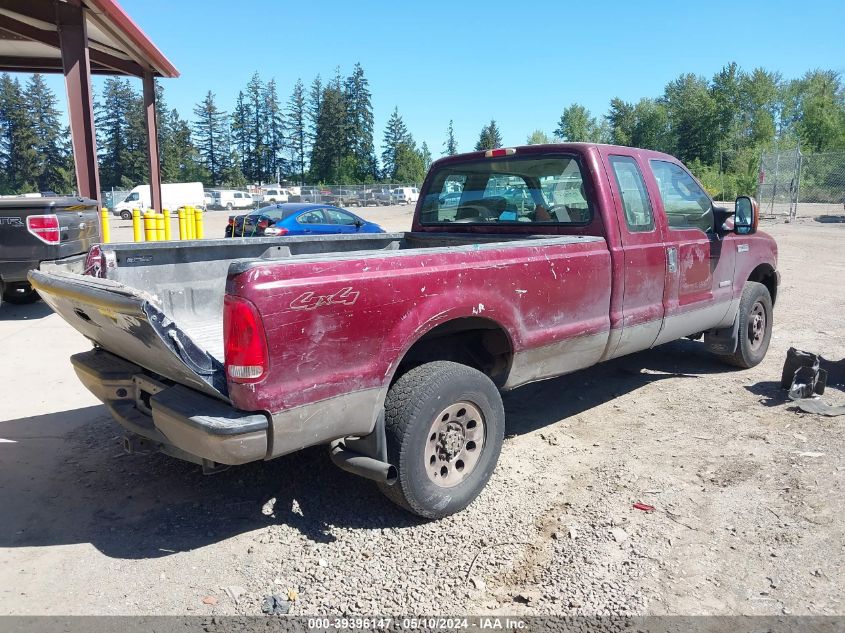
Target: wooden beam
[
  {"x": 73, "y": 40},
  {"x": 51, "y": 38},
  {"x": 152, "y": 139}
]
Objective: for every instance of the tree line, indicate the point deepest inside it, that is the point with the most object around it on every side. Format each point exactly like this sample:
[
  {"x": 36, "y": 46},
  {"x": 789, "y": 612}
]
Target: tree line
[
  {"x": 719, "y": 127},
  {"x": 324, "y": 133}
]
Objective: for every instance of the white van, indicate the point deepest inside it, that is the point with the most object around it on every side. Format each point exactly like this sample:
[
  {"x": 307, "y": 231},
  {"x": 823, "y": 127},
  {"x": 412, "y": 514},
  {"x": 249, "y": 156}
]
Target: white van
[
  {"x": 173, "y": 196},
  {"x": 231, "y": 199},
  {"x": 406, "y": 195}
]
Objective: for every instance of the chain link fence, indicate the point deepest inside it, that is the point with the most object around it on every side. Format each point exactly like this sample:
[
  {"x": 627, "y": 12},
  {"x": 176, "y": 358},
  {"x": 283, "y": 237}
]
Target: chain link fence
[{"x": 792, "y": 183}]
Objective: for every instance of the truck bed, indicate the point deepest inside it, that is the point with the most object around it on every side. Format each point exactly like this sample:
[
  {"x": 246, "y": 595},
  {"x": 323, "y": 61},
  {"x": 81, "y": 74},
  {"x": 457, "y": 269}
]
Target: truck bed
[{"x": 161, "y": 307}]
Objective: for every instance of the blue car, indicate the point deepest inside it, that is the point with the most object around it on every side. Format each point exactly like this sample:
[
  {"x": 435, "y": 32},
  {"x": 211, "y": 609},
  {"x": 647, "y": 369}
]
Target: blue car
[{"x": 294, "y": 218}]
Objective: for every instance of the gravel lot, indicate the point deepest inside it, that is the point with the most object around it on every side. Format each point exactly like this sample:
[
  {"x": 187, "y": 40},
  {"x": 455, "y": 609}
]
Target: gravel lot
[{"x": 749, "y": 493}]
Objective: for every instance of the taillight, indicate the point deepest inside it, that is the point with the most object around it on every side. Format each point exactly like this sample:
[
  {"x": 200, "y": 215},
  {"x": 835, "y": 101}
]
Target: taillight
[
  {"x": 44, "y": 227},
  {"x": 245, "y": 343},
  {"x": 275, "y": 230},
  {"x": 95, "y": 262},
  {"x": 263, "y": 224},
  {"x": 231, "y": 221}
]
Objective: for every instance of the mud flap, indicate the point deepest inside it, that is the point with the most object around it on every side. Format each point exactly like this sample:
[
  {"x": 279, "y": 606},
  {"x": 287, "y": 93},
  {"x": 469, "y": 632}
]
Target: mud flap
[
  {"x": 130, "y": 324},
  {"x": 723, "y": 341}
]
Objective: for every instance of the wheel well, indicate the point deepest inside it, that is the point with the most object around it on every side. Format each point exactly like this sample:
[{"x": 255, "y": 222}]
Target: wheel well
[
  {"x": 765, "y": 275},
  {"x": 472, "y": 341}
]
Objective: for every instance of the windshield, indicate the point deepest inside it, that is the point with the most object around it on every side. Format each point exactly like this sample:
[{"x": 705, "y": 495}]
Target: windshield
[{"x": 548, "y": 190}]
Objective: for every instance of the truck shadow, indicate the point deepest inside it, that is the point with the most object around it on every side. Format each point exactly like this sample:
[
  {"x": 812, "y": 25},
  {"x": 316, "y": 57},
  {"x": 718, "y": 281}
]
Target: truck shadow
[
  {"x": 67, "y": 480},
  {"x": 27, "y": 312}
]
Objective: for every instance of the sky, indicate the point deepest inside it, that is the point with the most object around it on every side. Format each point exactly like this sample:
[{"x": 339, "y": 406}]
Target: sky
[{"x": 519, "y": 62}]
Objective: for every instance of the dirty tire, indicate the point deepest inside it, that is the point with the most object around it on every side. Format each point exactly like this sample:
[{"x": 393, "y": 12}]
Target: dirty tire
[
  {"x": 21, "y": 294},
  {"x": 754, "y": 336},
  {"x": 413, "y": 404}
]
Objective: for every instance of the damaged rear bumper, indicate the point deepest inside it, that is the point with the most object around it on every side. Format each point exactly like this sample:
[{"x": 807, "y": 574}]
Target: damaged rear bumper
[{"x": 171, "y": 418}]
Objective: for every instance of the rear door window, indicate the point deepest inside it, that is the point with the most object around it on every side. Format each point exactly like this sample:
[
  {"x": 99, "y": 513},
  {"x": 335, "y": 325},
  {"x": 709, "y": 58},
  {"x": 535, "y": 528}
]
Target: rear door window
[{"x": 635, "y": 201}]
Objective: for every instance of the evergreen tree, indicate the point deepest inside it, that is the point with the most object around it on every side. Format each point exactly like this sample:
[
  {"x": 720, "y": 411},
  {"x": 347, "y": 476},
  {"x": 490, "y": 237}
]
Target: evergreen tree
[
  {"x": 331, "y": 138},
  {"x": 425, "y": 153},
  {"x": 51, "y": 145},
  {"x": 211, "y": 138},
  {"x": 121, "y": 135},
  {"x": 275, "y": 140},
  {"x": 395, "y": 135},
  {"x": 18, "y": 157},
  {"x": 451, "y": 146},
  {"x": 360, "y": 125},
  {"x": 240, "y": 142},
  {"x": 257, "y": 157},
  {"x": 296, "y": 129},
  {"x": 315, "y": 104},
  {"x": 490, "y": 138},
  {"x": 410, "y": 164}
]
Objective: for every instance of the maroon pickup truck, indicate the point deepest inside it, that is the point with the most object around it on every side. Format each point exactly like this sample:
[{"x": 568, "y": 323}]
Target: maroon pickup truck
[{"x": 522, "y": 264}]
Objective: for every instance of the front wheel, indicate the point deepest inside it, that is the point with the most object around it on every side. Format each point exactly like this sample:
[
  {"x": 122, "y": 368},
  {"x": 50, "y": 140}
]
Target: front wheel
[
  {"x": 445, "y": 424},
  {"x": 755, "y": 326},
  {"x": 125, "y": 215}
]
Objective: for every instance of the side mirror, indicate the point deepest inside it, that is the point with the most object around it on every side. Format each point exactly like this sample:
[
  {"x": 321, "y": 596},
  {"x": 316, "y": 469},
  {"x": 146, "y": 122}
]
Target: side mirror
[{"x": 746, "y": 215}]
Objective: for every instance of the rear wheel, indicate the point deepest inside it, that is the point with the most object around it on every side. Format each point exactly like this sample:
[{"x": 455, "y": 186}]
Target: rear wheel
[
  {"x": 20, "y": 294},
  {"x": 445, "y": 424},
  {"x": 755, "y": 326}
]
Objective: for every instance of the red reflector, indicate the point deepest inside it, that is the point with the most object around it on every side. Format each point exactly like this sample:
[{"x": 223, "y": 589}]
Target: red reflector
[
  {"x": 44, "y": 227},
  {"x": 502, "y": 151},
  {"x": 244, "y": 340}
]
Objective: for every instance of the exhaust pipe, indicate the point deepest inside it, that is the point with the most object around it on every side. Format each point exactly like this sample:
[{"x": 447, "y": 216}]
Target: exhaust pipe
[{"x": 363, "y": 466}]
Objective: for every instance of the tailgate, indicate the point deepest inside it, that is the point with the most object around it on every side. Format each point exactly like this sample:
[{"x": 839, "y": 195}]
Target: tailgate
[{"x": 130, "y": 324}]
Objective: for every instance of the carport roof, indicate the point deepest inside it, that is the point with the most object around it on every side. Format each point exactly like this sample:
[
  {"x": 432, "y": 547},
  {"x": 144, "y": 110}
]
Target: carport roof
[{"x": 29, "y": 39}]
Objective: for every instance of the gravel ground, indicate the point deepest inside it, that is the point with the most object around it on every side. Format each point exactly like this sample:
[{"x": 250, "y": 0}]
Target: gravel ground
[{"x": 748, "y": 493}]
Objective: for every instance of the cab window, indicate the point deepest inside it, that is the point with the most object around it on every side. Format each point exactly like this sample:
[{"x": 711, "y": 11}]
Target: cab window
[
  {"x": 635, "y": 202},
  {"x": 549, "y": 189},
  {"x": 686, "y": 204}
]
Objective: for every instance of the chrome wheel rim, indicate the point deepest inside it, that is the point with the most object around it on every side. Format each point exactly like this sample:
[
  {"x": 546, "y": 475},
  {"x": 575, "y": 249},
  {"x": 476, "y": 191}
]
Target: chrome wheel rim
[
  {"x": 454, "y": 444},
  {"x": 756, "y": 326}
]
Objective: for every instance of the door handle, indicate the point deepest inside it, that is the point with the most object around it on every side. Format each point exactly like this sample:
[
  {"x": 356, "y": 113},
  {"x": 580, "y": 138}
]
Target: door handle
[{"x": 672, "y": 259}]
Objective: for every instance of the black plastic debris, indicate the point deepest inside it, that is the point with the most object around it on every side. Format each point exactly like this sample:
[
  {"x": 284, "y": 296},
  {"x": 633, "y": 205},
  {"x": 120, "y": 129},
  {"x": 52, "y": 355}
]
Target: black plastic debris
[
  {"x": 275, "y": 605},
  {"x": 806, "y": 379}
]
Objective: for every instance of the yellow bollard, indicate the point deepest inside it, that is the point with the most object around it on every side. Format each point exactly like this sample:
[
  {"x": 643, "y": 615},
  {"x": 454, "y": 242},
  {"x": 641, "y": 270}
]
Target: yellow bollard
[
  {"x": 149, "y": 226},
  {"x": 191, "y": 221},
  {"x": 159, "y": 227},
  {"x": 137, "y": 229},
  {"x": 167, "y": 228},
  {"x": 105, "y": 229},
  {"x": 183, "y": 224},
  {"x": 200, "y": 229}
]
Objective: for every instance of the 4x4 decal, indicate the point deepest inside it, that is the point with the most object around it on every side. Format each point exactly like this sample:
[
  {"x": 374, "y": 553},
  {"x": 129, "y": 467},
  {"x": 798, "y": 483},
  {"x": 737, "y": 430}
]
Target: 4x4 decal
[{"x": 311, "y": 301}]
